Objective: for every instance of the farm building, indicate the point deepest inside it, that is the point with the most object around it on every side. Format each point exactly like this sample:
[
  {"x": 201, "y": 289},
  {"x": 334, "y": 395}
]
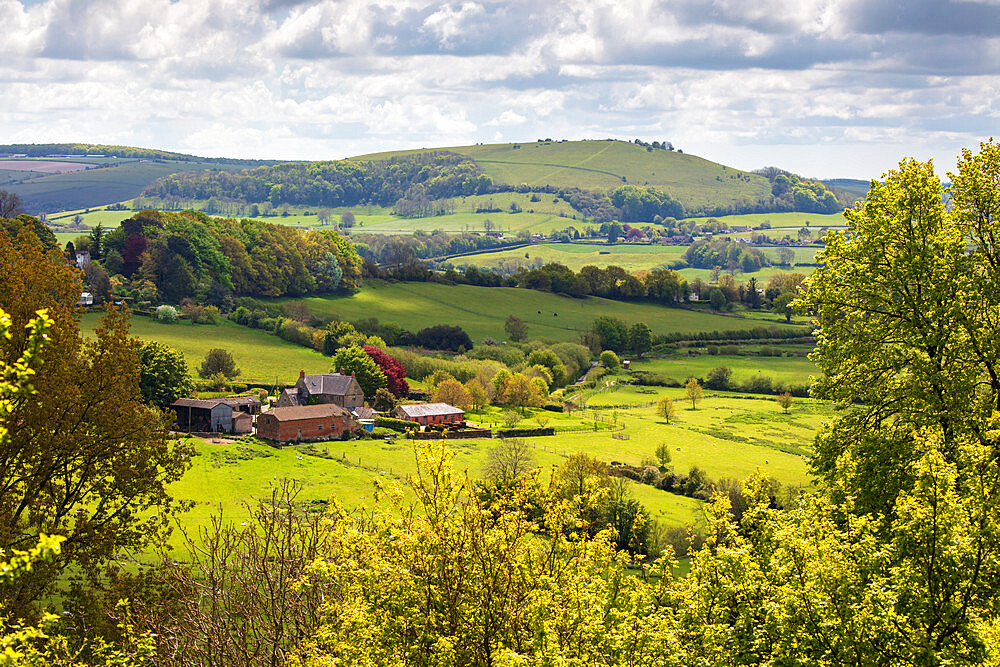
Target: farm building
[
  {"x": 364, "y": 413},
  {"x": 329, "y": 388},
  {"x": 242, "y": 423},
  {"x": 248, "y": 404},
  {"x": 212, "y": 415},
  {"x": 306, "y": 422},
  {"x": 427, "y": 414}
]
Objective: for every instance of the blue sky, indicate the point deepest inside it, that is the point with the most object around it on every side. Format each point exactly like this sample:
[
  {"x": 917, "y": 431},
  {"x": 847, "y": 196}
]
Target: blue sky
[{"x": 825, "y": 88}]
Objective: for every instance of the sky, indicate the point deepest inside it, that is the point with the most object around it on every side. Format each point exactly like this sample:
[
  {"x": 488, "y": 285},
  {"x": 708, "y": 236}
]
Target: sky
[{"x": 823, "y": 88}]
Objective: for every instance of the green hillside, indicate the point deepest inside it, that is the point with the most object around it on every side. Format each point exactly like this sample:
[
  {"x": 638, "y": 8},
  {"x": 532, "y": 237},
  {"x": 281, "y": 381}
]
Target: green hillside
[
  {"x": 481, "y": 311},
  {"x": 607, "y": 164},
  {"x": 260, "y": 356}
]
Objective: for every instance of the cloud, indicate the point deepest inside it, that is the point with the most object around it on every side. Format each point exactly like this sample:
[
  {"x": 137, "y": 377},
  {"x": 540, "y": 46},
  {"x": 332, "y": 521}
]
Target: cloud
[{"x": 325, "y": 78}]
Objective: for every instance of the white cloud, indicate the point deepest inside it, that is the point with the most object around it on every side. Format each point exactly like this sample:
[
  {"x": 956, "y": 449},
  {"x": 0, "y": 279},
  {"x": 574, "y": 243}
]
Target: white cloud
[{"x": 332, "y": 77}]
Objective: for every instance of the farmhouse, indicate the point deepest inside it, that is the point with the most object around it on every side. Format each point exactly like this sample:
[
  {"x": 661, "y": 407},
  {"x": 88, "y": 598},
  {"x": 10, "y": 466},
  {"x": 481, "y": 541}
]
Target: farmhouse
[
  {"x": 330, "y": 388},
  {"x": 212, "y": 415},
  {"x": 306, "y": 422},
  {"x": 427, "y": 414}
]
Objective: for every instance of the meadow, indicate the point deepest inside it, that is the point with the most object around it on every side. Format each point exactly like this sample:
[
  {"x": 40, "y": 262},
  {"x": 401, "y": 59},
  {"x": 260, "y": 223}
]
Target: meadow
[
  {"x": 729, "y": 435},
  {"x": 790, "y": 370},
  {"x": 607, "y": 164},
  {"x": 260, "y": 356},
  {"x": 482, "y": 311},
  {"x": 631, "y": 257}
]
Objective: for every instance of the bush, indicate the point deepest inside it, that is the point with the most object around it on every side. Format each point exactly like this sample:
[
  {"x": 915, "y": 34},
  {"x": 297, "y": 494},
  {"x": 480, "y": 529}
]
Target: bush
[
  {"x": 400, "y": 425},
  {"x": 719, "y": 377},
  {"x": 524, "y": 432},
  {"x": 610, "y": 360},
  {"x": 444, "y": 337},
  {"x": 166, "y": 314}
]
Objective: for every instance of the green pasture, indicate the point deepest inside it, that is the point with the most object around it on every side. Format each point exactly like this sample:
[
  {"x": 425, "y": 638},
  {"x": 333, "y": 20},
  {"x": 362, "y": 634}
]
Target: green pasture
[
  {"x": 605, "y": 165},
  {"x": 786, "y": 221},
  {"x": 575, "y": 256},
  {"x": 260, "y": 356},
  {"x": 226, "y": 473},
  {"x": 790, "y": 370},
  {"x": 482, "y": 311},
  {"x": 631, "y": 257},
  {"x": 93, "y": 217},
  {"x": 729, "y": 435}
]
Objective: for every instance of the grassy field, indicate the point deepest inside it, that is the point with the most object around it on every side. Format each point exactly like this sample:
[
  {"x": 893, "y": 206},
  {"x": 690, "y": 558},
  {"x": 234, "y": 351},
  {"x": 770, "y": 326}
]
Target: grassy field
[
  {"x": 791, "y": 370},
  {"x": 728, "y": 436},
  {"x": 481, "y": 311},
  {"x": 260, "y": 356},
  {"x": 785, "y": 221},
  {"x": 630, "y": 257},
  {"x": 605, "y": 165}
]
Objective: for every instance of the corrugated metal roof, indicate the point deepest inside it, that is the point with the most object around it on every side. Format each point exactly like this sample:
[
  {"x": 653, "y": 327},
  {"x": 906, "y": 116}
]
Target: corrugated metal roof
[
  {"x": 237, "y": 401},
  {"x": 207, "y": 404},
  {"x": 293, "y": 412},
  {"x": 430, "y": 409}
]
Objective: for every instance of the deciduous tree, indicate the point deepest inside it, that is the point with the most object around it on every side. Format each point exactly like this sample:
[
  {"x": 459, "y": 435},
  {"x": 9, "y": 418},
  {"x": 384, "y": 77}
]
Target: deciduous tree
[
  {"x": 692, "y": 392},
  {"x": 218, "y": 360},
  {"x": 86, "y": 459},
  {"x": 163, "y": 374}
]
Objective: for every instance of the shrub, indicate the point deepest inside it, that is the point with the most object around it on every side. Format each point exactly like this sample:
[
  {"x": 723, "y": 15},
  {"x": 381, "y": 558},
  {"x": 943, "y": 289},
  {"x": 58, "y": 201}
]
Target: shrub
[
  {"x": 166, "y": 314},
  {"x": 400, "y": 425},
  {"x": 610, "y": 360}
]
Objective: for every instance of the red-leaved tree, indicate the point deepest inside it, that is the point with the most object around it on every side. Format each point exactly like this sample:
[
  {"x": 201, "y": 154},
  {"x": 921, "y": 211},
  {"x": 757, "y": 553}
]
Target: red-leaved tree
[{"x": 394, "y": 371}]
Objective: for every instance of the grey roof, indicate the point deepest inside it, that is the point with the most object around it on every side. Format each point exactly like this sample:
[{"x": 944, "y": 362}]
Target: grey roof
[
  {"x": 430, "y": 409},
  {"x": 293, "y": 412},
  {"x": 207, "y": 404},
  {"x": 330, "y": 383},
  {"x": 363, "y": 412},
  {"x": 237, "y": 401}
]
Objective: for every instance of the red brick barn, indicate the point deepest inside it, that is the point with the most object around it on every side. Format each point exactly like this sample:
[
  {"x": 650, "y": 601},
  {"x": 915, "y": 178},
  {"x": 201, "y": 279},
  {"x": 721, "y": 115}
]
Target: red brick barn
[
  {"x": 428, "y": 414},
  {"x": 306, "y": 422}
]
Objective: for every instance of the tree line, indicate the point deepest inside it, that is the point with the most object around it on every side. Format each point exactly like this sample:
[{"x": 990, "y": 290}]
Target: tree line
[{"x": 167, "y": 257}]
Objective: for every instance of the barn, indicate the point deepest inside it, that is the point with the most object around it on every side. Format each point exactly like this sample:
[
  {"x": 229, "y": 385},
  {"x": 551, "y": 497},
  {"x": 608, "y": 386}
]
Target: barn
[
  {"x": 306, "y": 422},
  {"x": 428, "y": 414}
]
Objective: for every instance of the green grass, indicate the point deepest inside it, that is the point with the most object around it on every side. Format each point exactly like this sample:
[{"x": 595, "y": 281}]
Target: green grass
[
  {"x": 792, "y": 370},
  {"x": 577, "y": 255},
  {"x": 630, "y": 257},
  {"x": 728, "y": 436},
  {"x": 260, "y": 356},
  {"x": 788, "y": 221},
  {"x": 605, "y": 165},
  {"x": 482, "y": 311}
]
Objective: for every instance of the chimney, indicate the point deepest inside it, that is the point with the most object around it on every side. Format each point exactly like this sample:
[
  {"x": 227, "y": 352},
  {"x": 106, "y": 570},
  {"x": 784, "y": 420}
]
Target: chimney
[{"x": 302, "y": 375}]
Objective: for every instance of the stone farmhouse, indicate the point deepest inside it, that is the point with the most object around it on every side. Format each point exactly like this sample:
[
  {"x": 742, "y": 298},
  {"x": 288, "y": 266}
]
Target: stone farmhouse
[
  {"x": 429, "y": 414},
  {"x": 306, "y": 422},
  {"x": 327, "y": 389}
]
